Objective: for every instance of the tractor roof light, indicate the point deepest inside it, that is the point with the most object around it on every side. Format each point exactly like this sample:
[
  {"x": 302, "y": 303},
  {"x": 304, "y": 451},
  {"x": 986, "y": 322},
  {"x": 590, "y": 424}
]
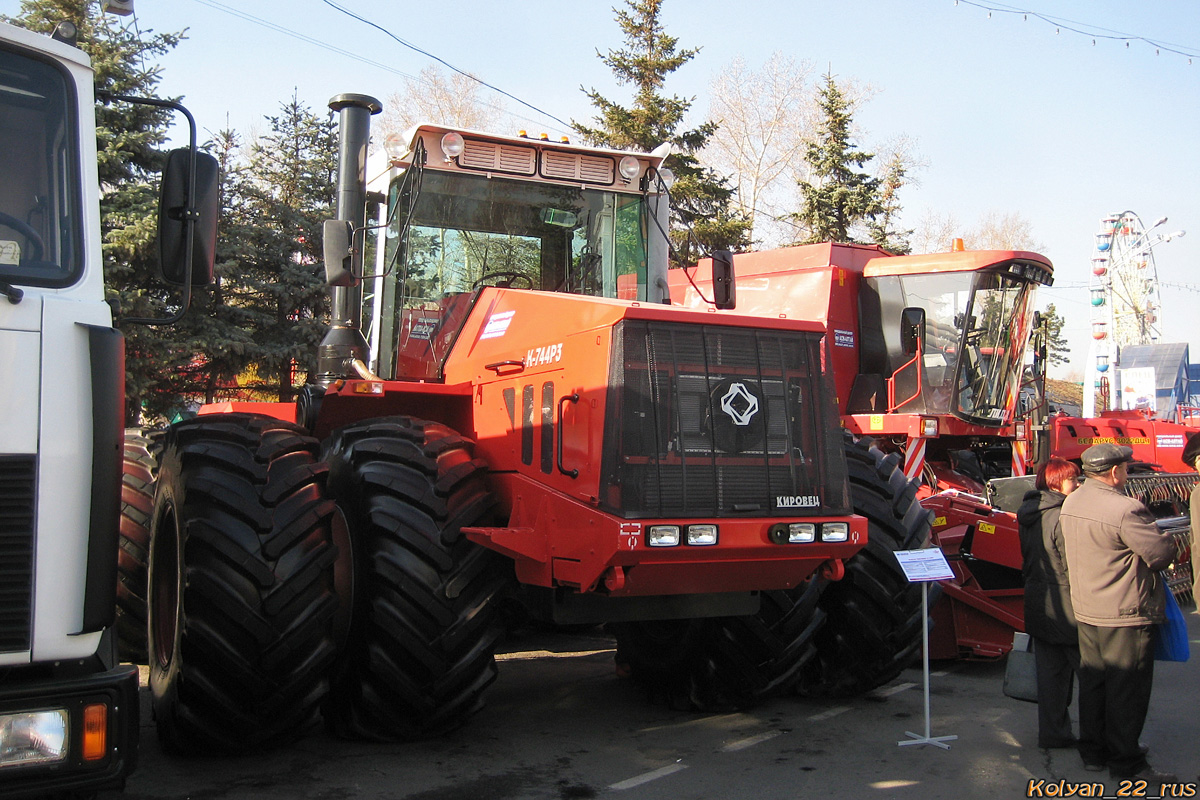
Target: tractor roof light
[
  {"x": 395, "y": 146},
  {"x": 630, "y": 167},
  {"x": 453, "y": 145}
]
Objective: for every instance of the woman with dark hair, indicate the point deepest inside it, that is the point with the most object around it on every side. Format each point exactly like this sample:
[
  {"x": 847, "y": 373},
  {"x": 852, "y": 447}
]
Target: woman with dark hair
[{"x": 1049, "y": 618}]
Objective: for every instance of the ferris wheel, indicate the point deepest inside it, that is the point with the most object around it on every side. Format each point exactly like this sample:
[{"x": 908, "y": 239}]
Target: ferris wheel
[{"x": 1125, "y": 297}]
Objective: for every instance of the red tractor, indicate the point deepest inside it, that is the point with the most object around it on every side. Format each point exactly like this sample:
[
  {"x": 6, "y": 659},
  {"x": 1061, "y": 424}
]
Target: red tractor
[{"x": 508, "y": 406}]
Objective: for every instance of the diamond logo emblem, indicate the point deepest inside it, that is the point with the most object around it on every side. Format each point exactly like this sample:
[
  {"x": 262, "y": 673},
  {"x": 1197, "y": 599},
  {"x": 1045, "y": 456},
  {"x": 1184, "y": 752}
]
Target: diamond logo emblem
[{"x": 740, "y": 404}]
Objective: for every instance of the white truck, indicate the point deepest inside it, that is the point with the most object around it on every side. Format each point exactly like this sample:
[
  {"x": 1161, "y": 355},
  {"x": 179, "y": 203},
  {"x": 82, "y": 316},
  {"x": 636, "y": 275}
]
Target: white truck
[{"x": 68, "y": 709}]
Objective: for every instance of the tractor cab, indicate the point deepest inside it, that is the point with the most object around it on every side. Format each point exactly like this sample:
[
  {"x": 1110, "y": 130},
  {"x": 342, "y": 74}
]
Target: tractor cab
[
  {"x": 968, "y": 328},
  {"x": 465, "y": 211}
]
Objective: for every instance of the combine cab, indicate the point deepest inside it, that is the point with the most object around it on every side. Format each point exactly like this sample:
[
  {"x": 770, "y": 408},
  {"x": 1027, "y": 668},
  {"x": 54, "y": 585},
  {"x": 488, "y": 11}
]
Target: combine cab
[{"x": 508, "y": 406}]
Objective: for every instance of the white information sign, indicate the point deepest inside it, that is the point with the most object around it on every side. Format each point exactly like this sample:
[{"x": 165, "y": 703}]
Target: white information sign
[{"x": 928, "y": 564}]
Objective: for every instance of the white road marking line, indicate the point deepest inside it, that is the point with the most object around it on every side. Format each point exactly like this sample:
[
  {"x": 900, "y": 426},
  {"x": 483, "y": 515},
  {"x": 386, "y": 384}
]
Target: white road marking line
[
  {"x": 941, "y": 673},
  {"x": 742, "y": 744},
  {"x": 897, "y": 689},
  {"x": 646, "y": 777},
  {"x": 833, "y": 712}
]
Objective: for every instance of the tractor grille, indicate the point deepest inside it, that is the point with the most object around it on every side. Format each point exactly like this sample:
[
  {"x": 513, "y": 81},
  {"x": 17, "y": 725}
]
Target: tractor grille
[
  {"x": 708, "y": 421},
  {"x": 16, "y": 551}
]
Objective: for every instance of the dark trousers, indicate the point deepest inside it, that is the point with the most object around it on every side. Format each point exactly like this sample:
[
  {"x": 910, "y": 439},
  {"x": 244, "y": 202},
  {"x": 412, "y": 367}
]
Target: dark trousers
[
  {"x": 1116, "y": 672},
  {"x": 1056, "y": 668}
]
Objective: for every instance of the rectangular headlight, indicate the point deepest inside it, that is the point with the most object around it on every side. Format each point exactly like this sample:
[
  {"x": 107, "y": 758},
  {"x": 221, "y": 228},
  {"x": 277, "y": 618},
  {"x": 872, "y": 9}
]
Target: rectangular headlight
[
  {"x": 801, "y": 532},
  {"x": 663, "y": 536},
  {"x": 33, "y": 737},
  {"x": 702, "y": 534},
  {"x": 835, "y": 532}
]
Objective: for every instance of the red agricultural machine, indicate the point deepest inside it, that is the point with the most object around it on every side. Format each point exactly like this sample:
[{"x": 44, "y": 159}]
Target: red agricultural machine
[
  {"x": 929, "y": 357},
  {"x": 508, "y": 406}
]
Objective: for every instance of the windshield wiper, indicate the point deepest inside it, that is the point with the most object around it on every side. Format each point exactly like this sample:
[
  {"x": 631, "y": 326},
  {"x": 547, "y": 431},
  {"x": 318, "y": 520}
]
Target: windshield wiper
[{"x": 13, "y": 294}]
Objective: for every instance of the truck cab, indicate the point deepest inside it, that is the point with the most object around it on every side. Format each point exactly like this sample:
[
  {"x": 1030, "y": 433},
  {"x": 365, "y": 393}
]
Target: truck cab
[{"x": 68, "y": 711}]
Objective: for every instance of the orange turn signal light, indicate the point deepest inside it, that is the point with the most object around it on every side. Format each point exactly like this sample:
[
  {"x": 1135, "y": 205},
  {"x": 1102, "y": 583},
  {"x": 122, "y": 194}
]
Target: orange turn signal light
[{"x": 95, "y": 732}]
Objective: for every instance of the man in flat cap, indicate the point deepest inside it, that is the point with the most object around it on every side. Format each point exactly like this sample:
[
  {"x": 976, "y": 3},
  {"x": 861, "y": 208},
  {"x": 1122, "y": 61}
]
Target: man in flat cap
[{"x": 1114, "y": 554}]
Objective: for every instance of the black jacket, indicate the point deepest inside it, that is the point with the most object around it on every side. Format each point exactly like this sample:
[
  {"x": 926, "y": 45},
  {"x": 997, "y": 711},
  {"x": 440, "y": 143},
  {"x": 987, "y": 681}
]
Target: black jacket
[{"x": 1048, "y": 612}]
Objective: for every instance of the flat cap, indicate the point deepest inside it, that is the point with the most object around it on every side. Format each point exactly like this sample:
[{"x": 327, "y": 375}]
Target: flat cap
[
  {"x": 1191, "y": 450},
  {"x": 1101, "y": 457}
]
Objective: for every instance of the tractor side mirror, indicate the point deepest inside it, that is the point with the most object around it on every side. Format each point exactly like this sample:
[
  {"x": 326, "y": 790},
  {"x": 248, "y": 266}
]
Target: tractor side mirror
[
  {"x": 337, "y": 237},
  {"x": 173, "y": 223},
  {"x": 724, "y": 290},
  {"x": 912, "y": 329}
]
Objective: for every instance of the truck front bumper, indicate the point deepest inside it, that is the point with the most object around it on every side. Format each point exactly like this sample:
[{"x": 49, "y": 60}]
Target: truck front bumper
[{"x": 67, "y": 734}]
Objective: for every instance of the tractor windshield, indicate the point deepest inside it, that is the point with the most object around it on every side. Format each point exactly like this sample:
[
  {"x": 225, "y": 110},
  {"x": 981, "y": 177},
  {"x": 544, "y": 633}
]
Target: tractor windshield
[
  {"x": 450, "y": 234},
  {"x": 977, "y": 326},
  {"x": 39, "y": 194}
]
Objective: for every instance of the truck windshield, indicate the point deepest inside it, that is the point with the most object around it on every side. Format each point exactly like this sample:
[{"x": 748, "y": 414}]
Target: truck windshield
[
  {"x": 977, "y": 327},
  {"x": 467, "y": 231},
  {"x": 39, "y": 192}
]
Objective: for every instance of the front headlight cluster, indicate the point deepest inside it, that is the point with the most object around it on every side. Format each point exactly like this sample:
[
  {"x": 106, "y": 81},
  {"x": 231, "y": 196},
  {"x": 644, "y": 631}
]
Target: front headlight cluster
[
  {"x": 671, "y": 535},
  {"x": 28, "y": 738},
  {"x": 805, "y": 532}
]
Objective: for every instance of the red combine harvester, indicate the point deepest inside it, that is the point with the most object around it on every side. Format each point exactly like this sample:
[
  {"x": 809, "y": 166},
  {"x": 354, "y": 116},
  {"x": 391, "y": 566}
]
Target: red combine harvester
[
  {"x": 928, "y": 354},
  {"x": 509, "y": 406}
]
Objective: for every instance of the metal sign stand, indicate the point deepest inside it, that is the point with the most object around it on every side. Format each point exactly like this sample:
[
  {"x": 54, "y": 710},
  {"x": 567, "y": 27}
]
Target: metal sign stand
[{"x": 923, "y": 566}]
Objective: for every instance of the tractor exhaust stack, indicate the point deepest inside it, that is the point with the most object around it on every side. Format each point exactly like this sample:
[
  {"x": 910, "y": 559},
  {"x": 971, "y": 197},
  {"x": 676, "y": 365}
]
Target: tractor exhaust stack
[{"x": 344, "y": 342}]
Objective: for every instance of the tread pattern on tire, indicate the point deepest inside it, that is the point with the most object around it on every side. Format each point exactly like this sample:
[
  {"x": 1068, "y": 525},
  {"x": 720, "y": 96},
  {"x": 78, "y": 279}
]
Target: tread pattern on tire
[
  {"x": 258, "y": 597},
  {"x": 425, "y": 624},
  {"x": 138, "y": 476},
  {"x": 874, "y": 626},
  {"x": 725, "y": 663}
]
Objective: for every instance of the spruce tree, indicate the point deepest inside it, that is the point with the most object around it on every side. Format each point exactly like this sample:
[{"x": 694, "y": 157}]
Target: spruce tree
[
  {"x": 840, "y": 198},
  {"x": 128, "y": 138},
  {"x": 288, "y": 193},
  {"x": 700, "y": 199},
  {"x": 1058, "y": 350}
]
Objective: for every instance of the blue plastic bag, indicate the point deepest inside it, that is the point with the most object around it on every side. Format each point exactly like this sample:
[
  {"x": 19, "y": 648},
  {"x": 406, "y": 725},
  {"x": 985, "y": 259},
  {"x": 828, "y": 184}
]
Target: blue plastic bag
[{"x": 1171, "y": 637}]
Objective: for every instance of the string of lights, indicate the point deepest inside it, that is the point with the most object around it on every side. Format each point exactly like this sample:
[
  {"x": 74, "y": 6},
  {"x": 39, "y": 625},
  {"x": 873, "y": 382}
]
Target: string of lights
[{"x": 1086, "y": 29}]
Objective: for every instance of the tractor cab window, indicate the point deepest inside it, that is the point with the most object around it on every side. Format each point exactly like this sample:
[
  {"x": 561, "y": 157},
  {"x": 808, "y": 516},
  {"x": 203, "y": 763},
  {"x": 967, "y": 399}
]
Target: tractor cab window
[
  {"x": 451, "y": 234},
  {"x": 39, "y": 194},
  {"x": 977, "y": 328}
]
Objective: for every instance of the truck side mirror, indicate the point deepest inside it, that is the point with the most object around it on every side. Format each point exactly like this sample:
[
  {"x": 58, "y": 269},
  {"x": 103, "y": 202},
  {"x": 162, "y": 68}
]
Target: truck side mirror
[
  {"x": 172, "y": 222},
  {"x": 912, "y": 329},
  {"x": 336, "y": 237},
  {"x": 724, "y": 294}
]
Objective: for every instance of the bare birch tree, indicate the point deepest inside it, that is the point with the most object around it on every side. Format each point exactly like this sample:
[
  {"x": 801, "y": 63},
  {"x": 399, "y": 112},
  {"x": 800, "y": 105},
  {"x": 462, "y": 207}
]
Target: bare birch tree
[
  {"x": 763, "y": 119},
  {"x": 448, "y": 99}
]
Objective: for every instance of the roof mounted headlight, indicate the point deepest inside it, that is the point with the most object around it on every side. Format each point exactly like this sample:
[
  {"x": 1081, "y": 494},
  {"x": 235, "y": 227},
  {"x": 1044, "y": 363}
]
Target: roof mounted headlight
[{"x": 453, "y": 145}]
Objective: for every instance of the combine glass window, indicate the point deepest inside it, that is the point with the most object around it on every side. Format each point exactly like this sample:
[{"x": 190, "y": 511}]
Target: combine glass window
[
  {"x": 977, "y": 327},
  {"x": 39, "y": 194},
  {"x": 468, "y": 231}
]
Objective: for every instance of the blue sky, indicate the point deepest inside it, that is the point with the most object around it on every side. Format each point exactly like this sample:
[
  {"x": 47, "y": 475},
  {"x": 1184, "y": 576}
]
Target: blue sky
[{"x": 1009, "y": 115}]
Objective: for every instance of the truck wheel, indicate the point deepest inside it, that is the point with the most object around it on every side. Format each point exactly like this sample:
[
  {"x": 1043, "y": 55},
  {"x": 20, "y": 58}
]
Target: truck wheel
[
  {"x": 137, "y": 504},
  {"x": 425, "y": 622},
  {"x": 874, "y": 614},
  {"x": 725, "y": 662},
  {"x": 241, "y": 585}
]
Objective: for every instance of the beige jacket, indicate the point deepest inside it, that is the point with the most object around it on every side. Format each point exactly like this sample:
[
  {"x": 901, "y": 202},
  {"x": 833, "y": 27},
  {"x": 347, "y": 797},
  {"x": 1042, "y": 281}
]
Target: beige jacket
[{"x": 1114, "y": 553}]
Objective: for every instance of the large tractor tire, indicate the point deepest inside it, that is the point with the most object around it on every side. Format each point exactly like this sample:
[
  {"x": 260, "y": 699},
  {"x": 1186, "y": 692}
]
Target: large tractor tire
[
  {"x": 242, "y": 593},
  {"x": 425, "y": 623},
  {"x": 137, "y": 505},
  {"x": 874, "y": 627},
  {"x": 724, "y": 663}
]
